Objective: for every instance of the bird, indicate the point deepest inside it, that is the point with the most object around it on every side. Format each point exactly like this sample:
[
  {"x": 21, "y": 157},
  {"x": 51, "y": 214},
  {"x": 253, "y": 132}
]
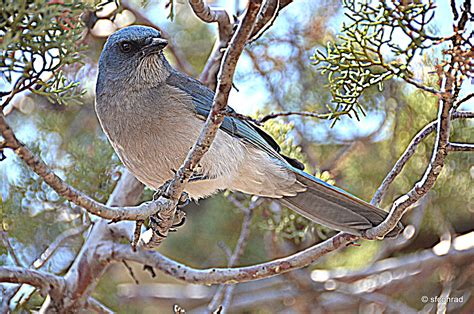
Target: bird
[{"x": 152, "y": 114}]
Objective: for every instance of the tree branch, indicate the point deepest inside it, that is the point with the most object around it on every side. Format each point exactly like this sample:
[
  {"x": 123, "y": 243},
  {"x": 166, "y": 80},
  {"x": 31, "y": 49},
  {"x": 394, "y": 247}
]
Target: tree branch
[
  {"x": 10, "y": 249},
  {"x": 180, "y": 271},
  {"x": 48, "y": 283},
  {"x": 267, "y": 16},
  {"x": 87, "y": 268},
  {"x": 268, "y": 13},
  {"x": 463, "y": 100},
  {"x": 45, "y": 256},
  {"x": 212, "y": 124},
  {"x": 425, "y": 260},
  {"x": 52, "y": 248},
  {"x": 79, "y": 198},
  {"x": 435, "y": 166},
  {"x": 420, "y": 85},
  {"x": 238, "y": 250},
  {"x": 460, "y": 147},
  {"x": 97, "y": 307},
  {"x": 323, "y": 116},
  {"x": 408, "y": 153},
  {"x": 208, "y": 15},
  {"x": 205, "y": 13}
]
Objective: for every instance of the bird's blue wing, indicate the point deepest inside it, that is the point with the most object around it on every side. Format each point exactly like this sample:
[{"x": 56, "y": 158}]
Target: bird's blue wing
[{"x": 202, "y": 100}]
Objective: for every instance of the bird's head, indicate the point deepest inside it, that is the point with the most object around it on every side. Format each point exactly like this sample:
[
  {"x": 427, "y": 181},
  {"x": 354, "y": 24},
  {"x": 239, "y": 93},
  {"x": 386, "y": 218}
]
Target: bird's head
[{"x": 134, "y": 53}]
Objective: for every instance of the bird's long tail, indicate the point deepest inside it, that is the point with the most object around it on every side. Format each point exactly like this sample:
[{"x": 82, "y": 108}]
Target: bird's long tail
[{"x": 335, "y": 208}]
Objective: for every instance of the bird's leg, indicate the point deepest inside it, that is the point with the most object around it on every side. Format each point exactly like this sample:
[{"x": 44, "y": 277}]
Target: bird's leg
[
  {"x": 180, "y": 215},
  {"x": 179, "y": 220}
]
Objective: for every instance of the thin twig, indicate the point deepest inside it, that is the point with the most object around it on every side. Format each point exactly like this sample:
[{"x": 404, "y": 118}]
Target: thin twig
[
  {"x": 323, "y": 116},
  {"x": 10, "y": 248},
  {"x": 56, "y": 244},
  {"x": 420, "y": 85},
  {"x": 222, "y": 290},
  {"x": 96, "y": 306},
  {"x": 130, "y": 271},
  {"x": 460, "y": 147},
  {"x": 463, "y": 100}
]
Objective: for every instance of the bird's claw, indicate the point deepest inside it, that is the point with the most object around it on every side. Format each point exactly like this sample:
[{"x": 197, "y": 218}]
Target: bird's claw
[
  {"x": 183, "y": 201},
  {"x": 179, "y": 218}
]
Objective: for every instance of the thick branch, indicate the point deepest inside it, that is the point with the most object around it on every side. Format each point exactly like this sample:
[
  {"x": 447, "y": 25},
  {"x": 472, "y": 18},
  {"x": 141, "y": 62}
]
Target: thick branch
[
  {"x": 87, "y": 268},
  {"x": 45, "y": 256},
  {"x": 276, "y": 267},
  {"x": 48, "y": 283}
]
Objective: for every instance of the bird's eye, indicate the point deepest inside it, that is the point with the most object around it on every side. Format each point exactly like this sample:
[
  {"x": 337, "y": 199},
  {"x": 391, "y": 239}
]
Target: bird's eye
[{"x": 125, "y": 46}]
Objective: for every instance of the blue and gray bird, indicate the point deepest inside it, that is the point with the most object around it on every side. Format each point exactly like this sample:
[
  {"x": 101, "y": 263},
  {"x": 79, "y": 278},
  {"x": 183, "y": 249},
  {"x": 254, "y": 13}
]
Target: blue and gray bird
[{"x": 152, "y": 114}]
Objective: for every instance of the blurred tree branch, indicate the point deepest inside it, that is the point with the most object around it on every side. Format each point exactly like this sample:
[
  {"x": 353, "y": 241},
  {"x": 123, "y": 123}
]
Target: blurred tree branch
[
  {"x": 43, "y": 258},
  {"x": 268, "y": 13},
  {"x": 410, "y": 150},
  {"x": 223, "y": 290},
  {"x": 46, "y": 282}
]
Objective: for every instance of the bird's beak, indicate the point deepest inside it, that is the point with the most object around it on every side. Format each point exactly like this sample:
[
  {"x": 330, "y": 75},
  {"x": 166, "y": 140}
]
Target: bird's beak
[{"x": 155, "y": 44}]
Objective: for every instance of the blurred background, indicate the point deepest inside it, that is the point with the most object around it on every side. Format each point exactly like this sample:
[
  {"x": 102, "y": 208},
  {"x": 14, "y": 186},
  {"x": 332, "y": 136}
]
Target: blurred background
[{"x": 275, "y": 73}]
